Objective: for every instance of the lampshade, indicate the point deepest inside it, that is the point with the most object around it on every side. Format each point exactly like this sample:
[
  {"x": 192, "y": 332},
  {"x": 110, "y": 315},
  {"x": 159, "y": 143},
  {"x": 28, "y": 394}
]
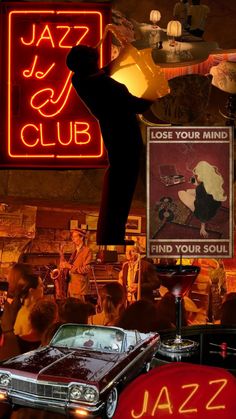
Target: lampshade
[
  {"x": 224, "y": 76},
  {"x": 174, "y": 28},
  {"x": 155, "y": 16}
]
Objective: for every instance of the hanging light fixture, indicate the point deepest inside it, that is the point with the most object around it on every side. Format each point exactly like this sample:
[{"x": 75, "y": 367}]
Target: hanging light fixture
[{"x": 174, "y": 30}]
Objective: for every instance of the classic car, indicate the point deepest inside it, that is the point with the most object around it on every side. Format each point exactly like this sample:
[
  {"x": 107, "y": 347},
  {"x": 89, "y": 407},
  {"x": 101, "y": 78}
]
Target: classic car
[{"x": 80, "y": 373}]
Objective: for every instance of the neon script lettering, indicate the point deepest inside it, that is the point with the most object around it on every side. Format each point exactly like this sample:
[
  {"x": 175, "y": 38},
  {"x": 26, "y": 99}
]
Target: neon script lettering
[
  {"x": 45, "y": 118},
  {"x": 46, "y": 37},
  {"x": 166, "y": 401},
  {"x": 77, "y": 133}
]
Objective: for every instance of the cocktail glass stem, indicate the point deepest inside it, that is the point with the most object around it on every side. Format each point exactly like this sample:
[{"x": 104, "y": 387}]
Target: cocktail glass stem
[{"x": 178, "y": 306}]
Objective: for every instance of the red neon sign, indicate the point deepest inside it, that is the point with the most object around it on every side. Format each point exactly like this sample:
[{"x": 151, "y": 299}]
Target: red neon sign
[
  {"x": 180, "y": 391},
  {"x": 47, "y": 124}
]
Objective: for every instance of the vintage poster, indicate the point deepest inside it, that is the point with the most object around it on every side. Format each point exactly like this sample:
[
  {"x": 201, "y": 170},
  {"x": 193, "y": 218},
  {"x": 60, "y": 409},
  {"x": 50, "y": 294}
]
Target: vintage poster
[{"x": 190, "y": 192}]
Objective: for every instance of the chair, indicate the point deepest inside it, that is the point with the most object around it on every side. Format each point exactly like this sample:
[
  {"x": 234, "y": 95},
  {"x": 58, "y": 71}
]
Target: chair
[{"x": 187, "y": 100}]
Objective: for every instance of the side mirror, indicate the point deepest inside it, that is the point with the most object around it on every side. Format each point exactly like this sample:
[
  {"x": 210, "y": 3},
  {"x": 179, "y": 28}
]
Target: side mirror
[{"x": 130, "y": 348}]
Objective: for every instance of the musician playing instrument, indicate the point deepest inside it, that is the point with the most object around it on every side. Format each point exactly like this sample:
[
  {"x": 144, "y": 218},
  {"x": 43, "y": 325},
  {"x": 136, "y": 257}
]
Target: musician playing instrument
[
  {"x": 78, "y": 266},
  {"x": 138, "y": 276}
]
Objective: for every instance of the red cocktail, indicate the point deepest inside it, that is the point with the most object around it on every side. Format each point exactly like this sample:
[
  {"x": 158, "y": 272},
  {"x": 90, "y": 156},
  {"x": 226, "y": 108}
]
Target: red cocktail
[{"x": 178, "y": 279}]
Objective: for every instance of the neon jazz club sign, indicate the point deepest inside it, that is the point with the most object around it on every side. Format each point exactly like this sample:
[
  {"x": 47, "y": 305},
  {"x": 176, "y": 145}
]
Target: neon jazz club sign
[
  {"x": 46, "y": 121},
  {"x": 179, "y": 391}
]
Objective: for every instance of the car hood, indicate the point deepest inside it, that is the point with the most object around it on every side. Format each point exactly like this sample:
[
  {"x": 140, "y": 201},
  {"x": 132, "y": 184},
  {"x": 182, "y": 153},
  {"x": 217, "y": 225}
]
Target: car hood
[{"x": 64, "y": 364}]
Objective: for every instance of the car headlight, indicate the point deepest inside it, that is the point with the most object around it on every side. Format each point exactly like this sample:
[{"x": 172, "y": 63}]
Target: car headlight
[
  {"x": 76, "y": 392},
  {"x": 83, "y": 392},
  {"x": 90, "y": 394},
  {"x": 5, "y": 380}
]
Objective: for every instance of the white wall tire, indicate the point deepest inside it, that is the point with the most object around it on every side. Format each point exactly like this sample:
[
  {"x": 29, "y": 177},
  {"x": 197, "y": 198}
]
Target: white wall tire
[{"x": 111, "y": 403}]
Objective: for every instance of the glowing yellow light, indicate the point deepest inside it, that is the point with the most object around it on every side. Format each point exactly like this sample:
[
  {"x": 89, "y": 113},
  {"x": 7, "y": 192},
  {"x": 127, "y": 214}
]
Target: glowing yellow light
[
  {"x": 3, "y": 396},
  {"x": 81, "y": 412},
  {"x": 136, "y": 69}
]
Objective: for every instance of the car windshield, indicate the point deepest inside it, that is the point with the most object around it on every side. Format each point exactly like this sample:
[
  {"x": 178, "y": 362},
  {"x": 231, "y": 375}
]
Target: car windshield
[{"x": 98, "y": 338}]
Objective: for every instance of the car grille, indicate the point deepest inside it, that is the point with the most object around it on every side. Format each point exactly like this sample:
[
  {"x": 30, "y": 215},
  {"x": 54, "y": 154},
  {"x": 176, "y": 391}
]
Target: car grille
[{"x": 51, "y": 391}]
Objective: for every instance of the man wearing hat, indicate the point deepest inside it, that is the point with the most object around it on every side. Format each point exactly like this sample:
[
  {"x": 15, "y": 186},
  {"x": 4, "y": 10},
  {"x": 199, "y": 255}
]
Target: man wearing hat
[
  {"x": 78, "y": 266},
  {"x": 138, "y": 273}
]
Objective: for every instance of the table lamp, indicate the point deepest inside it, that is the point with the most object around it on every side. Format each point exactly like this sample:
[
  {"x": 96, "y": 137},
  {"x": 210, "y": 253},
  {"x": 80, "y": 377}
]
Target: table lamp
[
  {"x": 224, "y": 78},
  {"x": 174, "y": 29},
  {"x": 155, "y": 16},
  {"x": 154, "y": 36}
]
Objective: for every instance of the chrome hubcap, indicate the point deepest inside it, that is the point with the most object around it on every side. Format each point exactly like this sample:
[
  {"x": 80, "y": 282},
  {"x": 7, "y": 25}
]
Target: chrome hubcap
[{"x": 112, "y": 403}]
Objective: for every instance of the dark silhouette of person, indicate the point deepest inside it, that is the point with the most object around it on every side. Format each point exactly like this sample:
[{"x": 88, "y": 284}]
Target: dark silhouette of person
[
  {"x": 228, "y": 310},
  {"x": 115, "y": 108},
  {"x": 143, "y": 315}
]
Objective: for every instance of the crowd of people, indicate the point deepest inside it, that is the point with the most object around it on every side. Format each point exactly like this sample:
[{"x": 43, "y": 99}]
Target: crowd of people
[{"x": 30, "y": 319}]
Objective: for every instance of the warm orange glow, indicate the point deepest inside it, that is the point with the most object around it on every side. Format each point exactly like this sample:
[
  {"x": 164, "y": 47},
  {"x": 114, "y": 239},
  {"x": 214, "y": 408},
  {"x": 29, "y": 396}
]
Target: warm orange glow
[
  {"x": 195, "y": 387},
  {"x": 42, "y": 139},
  {"x": 77, "y": 130},
  {"x": 47, "y": 99},
  {"x": 3, "y": 396},
  {"x": 101, "y": 25},
  {"x": 84, "y": 131},
  {"x": 59, "y": 134},
  {"x": 23, "y": 136},
  {"x": 29, "y": 73},
  {"x": 144, "y": 406},
  {"x": 209, "y": 406},
  {"x": 39, "y": 102},
  {"x": 33, "y": 37},
  {"x": 68, "y": 28},
  {"x": 94, "y": 156},
  {"x": 137, "y": 70},
  {"x": 163, "y": 401},
  {"x": 39, "y": 74},
  {"x": 48, "y": 37},
  {"x": 81, "y": 412}
]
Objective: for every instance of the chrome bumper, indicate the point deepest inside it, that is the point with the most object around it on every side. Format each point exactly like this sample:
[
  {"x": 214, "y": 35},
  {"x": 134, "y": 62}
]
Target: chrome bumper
[{"x": 56, "y": 406}]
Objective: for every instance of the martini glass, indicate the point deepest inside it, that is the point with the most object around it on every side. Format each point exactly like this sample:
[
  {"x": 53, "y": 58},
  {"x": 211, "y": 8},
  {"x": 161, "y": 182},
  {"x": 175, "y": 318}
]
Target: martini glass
[{"x": 178, "y": 279}]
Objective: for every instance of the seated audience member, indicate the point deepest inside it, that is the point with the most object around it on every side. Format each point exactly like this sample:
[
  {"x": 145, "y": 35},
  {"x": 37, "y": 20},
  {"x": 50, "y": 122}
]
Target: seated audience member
[
  {"x": 17, "y": 279},
  {"x": 43, "y": 314},
  {"x": 31, "y": 293},
  {"x": 197, "y": 17},
  {"x": 73, "y": 310},
  {"x": 143, "y": 316},
  {"x": 228, "y": 310},
  {"x": 49, "y": 333},
  {"x": 167, "y": 309},
  {"x": 194, "y": 314},
  {"x": 113, "y": 301},
  {"x": 191, "y": 313}
]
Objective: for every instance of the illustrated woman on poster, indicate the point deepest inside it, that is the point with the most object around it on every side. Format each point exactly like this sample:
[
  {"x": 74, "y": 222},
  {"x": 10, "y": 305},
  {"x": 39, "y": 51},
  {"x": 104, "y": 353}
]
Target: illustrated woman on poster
[{"x": 206, "y": 198}]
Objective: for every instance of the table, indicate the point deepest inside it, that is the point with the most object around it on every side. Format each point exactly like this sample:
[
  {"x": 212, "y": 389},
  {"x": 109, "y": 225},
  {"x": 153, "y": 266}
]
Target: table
[
  {"x": 182, "y": 54},
  {"x": 207, "y": 354}
]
